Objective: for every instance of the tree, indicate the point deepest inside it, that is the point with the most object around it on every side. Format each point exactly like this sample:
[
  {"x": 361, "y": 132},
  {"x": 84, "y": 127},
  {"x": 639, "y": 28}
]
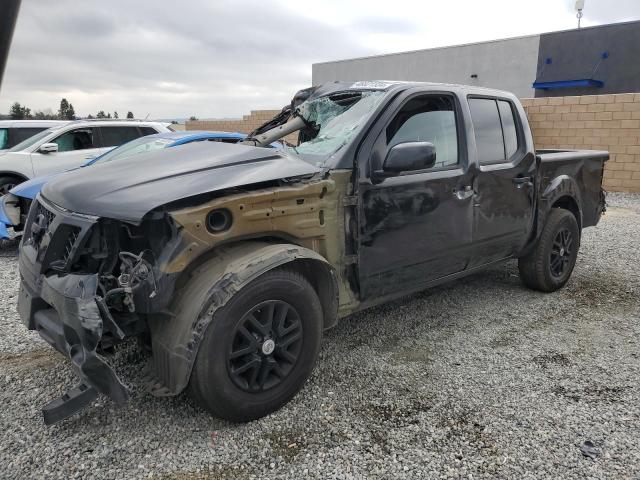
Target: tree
[
  {"x": 115, "y": 115},
  {"x": 71, "y": 113},
  {"x": 16, "y": 112},
  {"x": 64, "y": 109},
  {"x": 193, "y": 118},
  {"x": 101, "y": 114},
  {"x": 46, "y": 114},
  {"x": 109, "y": 115},
  {"x": 90, "y": 117},
  {"x": 130, "y": 115},
  {"x": 19, "y": 112}
]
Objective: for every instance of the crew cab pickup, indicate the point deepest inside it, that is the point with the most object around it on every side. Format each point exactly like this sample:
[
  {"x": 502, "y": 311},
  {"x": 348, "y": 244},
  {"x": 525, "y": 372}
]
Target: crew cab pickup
[{"x": 229, "y": 260}]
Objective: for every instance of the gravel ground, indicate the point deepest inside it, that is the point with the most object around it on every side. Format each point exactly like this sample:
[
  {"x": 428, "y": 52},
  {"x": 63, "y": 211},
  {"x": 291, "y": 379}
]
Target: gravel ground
[{"x": 481, "y": 378}]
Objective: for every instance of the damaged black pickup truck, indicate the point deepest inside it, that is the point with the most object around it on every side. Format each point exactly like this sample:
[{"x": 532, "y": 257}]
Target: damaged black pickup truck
[{"x": 228, "y": 261}]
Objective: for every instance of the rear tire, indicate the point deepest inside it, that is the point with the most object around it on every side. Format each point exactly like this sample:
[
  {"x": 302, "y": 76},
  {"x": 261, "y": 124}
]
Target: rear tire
[
  {"x": 260, "y": 348},
  {"x": 549, "y": 265}
]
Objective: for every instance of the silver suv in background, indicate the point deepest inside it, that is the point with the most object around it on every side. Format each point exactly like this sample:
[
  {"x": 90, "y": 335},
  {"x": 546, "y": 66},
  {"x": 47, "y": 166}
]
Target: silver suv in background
[
  {"x": 13, "y": 132},
  {"x": 69, "y": 145}
]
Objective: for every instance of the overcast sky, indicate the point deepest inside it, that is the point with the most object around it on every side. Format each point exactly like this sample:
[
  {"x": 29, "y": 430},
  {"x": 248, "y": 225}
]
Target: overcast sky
[{"x": 217, "y": 59}]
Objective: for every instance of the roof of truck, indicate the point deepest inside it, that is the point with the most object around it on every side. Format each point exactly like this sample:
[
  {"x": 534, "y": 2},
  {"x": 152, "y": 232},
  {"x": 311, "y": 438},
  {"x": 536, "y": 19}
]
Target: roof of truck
[{"x": 387, "y": 85}]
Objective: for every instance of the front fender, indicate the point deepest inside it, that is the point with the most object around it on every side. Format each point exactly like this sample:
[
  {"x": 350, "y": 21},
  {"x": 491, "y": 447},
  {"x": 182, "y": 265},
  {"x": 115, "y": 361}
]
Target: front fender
[{"x": 176, "y": 335}]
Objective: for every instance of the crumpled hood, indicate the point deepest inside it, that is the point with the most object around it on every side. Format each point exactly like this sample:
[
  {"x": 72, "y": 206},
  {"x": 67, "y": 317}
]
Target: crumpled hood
[{"x": 128, "y": 189}]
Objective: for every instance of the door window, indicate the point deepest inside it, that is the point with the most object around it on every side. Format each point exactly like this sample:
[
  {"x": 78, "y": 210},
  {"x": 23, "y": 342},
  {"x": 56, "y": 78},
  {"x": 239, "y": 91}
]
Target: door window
[
  {"x": 495, "y": 130},
  {"x": 428, "y": 118},
  {"x": 18, "y": 135},
  {"x": 487, "y": 129},
  {"x": 4, "y": 136},
  {"x": 148, "y": 131},
  {"x": 508, "y": 128},
  {"x": 79, "y": 139},
  {"x": 116, "y": 136}
]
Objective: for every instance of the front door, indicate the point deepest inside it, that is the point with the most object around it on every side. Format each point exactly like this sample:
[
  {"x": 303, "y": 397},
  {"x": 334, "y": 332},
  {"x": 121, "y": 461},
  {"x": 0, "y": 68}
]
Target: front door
[
  {"x": 416, "y": 227},
  {"x": 504, "y": 193},
  {"x": 75, "y": 147}
]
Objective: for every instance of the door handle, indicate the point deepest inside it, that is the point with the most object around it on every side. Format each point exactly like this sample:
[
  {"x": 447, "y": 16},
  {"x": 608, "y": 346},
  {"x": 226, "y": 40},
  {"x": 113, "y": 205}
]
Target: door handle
[
  {"x": 463, "y": 193},
  {"x": 520, "y": 181}
]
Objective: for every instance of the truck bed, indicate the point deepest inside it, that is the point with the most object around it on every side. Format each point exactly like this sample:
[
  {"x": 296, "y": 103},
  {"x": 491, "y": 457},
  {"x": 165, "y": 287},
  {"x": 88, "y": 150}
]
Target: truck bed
[{"x": 578, "y": 172}]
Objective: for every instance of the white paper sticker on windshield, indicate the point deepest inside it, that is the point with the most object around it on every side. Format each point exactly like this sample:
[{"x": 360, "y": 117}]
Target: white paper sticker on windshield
[{"x": 370, "y": 85}]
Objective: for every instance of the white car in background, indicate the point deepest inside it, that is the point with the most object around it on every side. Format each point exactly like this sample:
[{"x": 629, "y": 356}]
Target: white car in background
[
  {"x": 67, "y": 146},
  {"x": 12, "y": 132}
]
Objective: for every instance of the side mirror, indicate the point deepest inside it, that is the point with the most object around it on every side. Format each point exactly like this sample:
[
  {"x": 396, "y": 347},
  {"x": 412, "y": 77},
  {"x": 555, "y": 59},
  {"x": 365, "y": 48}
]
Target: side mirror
[
  {"x": 409, "y": 156},
  {"x": 48, "y": 148}
]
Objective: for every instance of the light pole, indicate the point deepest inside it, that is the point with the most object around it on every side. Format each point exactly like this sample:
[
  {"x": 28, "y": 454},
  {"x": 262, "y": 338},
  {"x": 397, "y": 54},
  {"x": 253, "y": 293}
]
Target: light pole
[
  {"x": 7, "y": 24},
  {"x": 579, "y": 8}
]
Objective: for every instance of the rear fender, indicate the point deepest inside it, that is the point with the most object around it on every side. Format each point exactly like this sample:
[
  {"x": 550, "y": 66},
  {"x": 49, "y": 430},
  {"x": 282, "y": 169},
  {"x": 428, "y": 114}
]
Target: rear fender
[
  {"x": 176, "y": 335},
  {"x": 563, "y": 189}
]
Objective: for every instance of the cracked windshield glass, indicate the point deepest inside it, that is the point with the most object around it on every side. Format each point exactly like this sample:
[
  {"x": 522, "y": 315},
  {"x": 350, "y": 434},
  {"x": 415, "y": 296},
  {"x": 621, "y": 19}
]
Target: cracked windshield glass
[{"x": 338, "y": 118}]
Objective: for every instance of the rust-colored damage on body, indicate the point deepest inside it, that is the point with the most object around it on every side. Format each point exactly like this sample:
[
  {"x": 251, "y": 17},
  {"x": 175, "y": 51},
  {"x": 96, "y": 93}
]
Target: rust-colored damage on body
[{"x": 310, "y": 214}]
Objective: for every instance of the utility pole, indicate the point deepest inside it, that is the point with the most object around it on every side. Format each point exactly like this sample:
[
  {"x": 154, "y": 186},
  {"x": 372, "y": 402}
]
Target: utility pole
[
  {"x": 8, "y": 18},
  {"x": 579, "y": 8}
]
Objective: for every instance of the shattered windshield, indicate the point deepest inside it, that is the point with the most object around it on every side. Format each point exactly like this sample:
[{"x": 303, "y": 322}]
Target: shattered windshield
[{"x": 337, "y": 118}]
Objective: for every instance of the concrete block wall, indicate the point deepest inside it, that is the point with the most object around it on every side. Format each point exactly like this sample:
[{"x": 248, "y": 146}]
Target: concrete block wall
[
  {"x": 246, "y": 124},
  {"x": 596, "y": 122}
]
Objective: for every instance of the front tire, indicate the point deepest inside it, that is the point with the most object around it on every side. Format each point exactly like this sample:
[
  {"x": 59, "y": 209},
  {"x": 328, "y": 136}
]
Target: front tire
[
  {"x": 549, "y": 266},
  {"x": 260, "y": 348},
  {"x": 7, "y": 183}
]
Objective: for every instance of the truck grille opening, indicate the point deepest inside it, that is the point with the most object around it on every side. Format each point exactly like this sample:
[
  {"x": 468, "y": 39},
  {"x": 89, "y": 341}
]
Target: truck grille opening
[{"x": 70, "y": 243}]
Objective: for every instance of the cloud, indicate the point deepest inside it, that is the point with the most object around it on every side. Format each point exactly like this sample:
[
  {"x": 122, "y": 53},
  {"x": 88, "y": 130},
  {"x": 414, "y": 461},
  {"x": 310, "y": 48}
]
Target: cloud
[
  {"x": 198, "y": 57},
  {"x": 213, "y": 59},
  {"x": 386, "y": 25}
]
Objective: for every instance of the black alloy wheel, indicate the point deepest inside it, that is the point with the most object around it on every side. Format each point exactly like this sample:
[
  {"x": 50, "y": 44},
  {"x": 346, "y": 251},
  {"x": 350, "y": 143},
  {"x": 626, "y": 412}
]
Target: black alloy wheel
[
  {"x": 561, "y": 253},
  {"x": 265, "y": 347}
]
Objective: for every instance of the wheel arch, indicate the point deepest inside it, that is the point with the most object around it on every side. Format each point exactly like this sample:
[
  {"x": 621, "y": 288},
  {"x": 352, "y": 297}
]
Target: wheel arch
[
  {"x": 569, "y": 203},
  {"x": 562, "y": 192},
  {"x": 175, "y": 338},
  {"x": 19, "y": 176}
]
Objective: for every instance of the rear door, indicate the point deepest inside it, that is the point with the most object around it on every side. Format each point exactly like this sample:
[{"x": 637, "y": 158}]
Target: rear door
[
  {"x": 74, "y": 147},
  {"x": 117, "y": 135},
  {"x": 415, "y": 227},
  {"x": 504, "y": 193}
]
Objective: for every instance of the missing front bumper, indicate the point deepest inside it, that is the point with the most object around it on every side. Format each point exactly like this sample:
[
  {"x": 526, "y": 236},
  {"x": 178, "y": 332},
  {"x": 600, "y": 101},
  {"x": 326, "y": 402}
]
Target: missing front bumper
[{"x": 68, "y": 315}]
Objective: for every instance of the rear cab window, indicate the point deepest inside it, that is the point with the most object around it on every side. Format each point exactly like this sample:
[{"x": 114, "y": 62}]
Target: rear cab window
[{"x": 495, "y": 130}]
